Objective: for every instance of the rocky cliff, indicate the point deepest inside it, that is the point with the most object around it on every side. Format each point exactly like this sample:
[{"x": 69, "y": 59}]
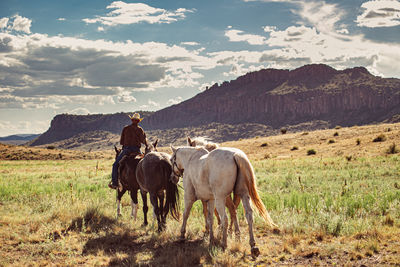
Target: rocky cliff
[
  {"x": 316, "y": 94},
  {"x": 64, "y": 126},
  {"x": 281, "y": 97}
]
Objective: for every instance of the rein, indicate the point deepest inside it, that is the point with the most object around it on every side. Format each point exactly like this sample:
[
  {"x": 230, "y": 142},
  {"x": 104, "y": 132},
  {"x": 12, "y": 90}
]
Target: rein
[{"x": 180, "y": 174}]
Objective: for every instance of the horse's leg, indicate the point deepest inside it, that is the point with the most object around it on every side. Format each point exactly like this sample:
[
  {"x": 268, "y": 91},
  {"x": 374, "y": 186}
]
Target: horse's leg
[
  {"x": 189, "y": 198},
  {"x": 161, "y": 206},
  {"x": 249, "y": 216},
  {"x": 210, "y": 207},
  {"x": 232, "y": 211},
  {"x": 217, "y": 215},
  {"x": 145, "y": 207},
  {"x": 134, "y": 204},
  {"x": 220, "y": 206},
  {"x": 205, "y": 213},
  {"x": 119, "y": 196},
  {"x": 154, "y": 202}
]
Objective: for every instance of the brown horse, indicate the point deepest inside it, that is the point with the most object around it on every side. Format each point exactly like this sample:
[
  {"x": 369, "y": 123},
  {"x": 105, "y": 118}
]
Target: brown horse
[
  {"x": 153, "y": 174},
  {"x": 127, "y": 182},
  {"x": 229, "y": 203}
]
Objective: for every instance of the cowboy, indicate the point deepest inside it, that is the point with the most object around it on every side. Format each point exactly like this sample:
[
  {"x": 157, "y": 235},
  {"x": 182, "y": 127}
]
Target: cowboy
[{"x": 131, "y": 139}]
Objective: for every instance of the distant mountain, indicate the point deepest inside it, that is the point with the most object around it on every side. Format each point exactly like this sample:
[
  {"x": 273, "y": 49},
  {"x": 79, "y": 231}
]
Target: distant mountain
[
  {"x": 279, "y": 98},
  {"x": 65, "y": 126},
  {"x": 310, "y": 97},
  {"x": 18, "y": 139}
]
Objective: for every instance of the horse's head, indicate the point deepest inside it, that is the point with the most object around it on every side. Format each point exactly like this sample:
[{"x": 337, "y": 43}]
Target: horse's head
[
  {"x": 177, "y": 169},
  {"x": 202, "y": 142},
  {"x": 150, "y": 148},
  {"x": 117, "y": 151}
]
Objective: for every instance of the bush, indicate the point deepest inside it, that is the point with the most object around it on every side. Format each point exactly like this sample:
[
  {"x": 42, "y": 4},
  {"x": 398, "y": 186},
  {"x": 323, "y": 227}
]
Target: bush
[
  {"x": 294, "y": 148},
  {"x": 338, "y": 127},
  {"x": 50, "y": 147},
  {"x": 358, "y": 141},
  {"x": 336, "y": 134},
  {"x": 283, "y": 130},
  {"x": 379, "y": 138},
  {"x": 392, "y": 149},
  {"x": 331, "y": 141},
  {"x": 264, "y": 145},
  {"x": 311, "y": 152}
]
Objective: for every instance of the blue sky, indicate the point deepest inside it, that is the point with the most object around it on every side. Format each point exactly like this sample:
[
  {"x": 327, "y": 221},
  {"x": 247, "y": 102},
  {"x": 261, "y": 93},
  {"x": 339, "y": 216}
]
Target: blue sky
[{"x": 82, "y": 57}]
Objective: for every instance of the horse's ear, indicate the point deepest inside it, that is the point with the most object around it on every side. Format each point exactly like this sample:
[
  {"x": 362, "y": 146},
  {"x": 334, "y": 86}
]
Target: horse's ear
[
  {"x": 190, "y": 142},
  {"x": 173, "y": 149},
  {"x": 155, "y": 143}
]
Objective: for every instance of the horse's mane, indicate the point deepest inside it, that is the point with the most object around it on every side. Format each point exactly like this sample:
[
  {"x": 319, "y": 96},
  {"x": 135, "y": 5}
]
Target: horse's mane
[{"x": 203, "y": 142}]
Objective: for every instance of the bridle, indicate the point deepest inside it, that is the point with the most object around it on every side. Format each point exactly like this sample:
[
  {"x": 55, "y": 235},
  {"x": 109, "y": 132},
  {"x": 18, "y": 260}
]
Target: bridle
[{"x": 180, "y": 174}]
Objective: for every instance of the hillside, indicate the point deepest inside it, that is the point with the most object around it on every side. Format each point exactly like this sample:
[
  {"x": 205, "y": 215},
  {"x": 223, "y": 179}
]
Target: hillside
[
  {"x": 65, "y": 126},
  {"x": 18, "y": 139},
  {"x": 350, "y": 142},
  {"x": 279, "y": 98},
  {"x": 258, "y": 103}
]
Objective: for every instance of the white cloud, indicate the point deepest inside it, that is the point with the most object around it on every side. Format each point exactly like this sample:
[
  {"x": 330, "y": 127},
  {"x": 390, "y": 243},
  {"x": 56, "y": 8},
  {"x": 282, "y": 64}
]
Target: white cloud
[
  {"x": 38, "y": 66},
  {"x": 79, "y": 111},
  {"x": 61, "y": 19},
  {"x": 21, "y": 24},
  {"x": 382, "y": 13},
  {"x": 190, "y": 43},
  {"x": 132, "y": 13},
  {"x": 269, "y": 28},
  {"x": 3, "y": 23},
  {"x": 174, "y": 101},
  {"x": 151, "y": 105},
  {"x": 240, "y": 36},
  {"x": 23, "y": 127},
  {"x": 126, "y": 97}
]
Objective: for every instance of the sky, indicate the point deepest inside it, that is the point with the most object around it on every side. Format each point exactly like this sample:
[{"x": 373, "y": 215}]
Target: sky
[{"x": 90, "y": 57}]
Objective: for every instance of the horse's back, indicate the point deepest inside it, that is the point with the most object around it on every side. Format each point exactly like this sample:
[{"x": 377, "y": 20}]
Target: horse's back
[
  {"x": 153, "y": 171},
  {"x": 222, "y": 169}
]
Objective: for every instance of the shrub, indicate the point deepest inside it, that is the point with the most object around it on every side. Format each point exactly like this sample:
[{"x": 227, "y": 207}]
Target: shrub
[
  {"x": 305, "y": 133},
  {"x": 331, "y": 141},
  {"x": 392, "y": 149},
  {"x": 283, "y": 130},
  {"x": 336, "y": 134},
  {"x": 264, "y": 145},
  {"x": 338, "y": 127},
  {"x": 379, "y": 138},
  {"x": 294, "y": 148},
  {"x": 50, "y": 147},
  {"x": 358, "y": 141},
  {"x": 311, "y": 152}
]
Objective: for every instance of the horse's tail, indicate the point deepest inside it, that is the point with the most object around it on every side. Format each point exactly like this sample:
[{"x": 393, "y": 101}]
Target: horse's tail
[
  {"x": 172, "y": 196},
  {"x": 246, "y": 171}
]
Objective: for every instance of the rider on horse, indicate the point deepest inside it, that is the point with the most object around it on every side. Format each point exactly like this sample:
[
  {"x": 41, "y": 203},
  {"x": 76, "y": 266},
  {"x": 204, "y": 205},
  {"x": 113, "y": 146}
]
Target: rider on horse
[{"x": 131, "y": 139}]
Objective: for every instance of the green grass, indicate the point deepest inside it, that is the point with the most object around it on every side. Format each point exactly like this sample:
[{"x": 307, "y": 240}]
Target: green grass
[
  {"x": 63, "y": 211},
  {"x": 330, "y": 194}
]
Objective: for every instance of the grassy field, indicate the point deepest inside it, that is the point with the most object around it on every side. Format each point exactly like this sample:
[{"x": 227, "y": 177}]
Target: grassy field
[{"x": 339, "y": 206}]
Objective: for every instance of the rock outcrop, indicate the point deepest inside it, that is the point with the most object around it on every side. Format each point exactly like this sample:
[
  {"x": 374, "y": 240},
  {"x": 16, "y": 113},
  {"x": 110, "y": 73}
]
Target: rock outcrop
[
  {"x": 269, "y": 97},
  {"x": 280, "y": 97}
]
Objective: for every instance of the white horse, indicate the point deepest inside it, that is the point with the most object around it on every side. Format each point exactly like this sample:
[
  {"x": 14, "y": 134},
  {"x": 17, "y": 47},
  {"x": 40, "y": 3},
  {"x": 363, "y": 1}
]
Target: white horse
[
  {"x": 211, "y": 177},
  {"x": 230, "y": 204}
]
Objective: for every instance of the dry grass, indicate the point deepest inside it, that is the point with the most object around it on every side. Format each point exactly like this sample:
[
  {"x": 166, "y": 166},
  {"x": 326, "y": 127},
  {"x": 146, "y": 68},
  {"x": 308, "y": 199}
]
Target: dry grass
[
  {"x": 281, "y": 146},
  {"x": 60, "y": 212}
]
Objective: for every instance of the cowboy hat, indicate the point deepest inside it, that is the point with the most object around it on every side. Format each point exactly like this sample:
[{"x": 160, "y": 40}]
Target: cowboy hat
[{"x": 136, "y": 117}]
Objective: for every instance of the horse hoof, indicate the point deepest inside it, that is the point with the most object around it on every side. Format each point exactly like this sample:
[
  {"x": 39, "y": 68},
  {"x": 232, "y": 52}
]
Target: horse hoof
[{"x": 255, "y": 252}]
